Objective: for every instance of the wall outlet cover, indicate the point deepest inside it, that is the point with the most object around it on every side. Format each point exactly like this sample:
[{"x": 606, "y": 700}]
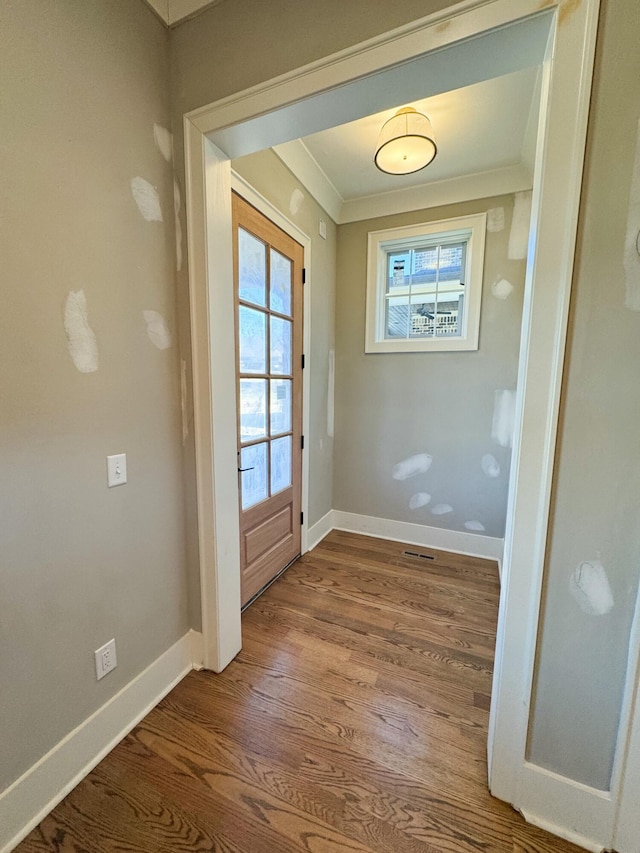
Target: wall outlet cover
[{"x": 105, "y": 659}]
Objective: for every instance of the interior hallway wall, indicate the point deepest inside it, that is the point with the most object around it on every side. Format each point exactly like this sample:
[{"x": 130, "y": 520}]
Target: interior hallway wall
[
  {"x": 83, "y": 83},
  {"x": 392, "y": 407},
  {"x": 267, "y": 174}
]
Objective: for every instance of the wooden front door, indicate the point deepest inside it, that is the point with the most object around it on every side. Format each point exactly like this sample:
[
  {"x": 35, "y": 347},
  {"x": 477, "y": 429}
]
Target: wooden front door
[{"x": 268, "y": 280}]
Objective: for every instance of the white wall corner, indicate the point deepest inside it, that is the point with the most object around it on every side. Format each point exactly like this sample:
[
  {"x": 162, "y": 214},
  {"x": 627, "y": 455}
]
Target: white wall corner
[{"x": 39, "y": 790}]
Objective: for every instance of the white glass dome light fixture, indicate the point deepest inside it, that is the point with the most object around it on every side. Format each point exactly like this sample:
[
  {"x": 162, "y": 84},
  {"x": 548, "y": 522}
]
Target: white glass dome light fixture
[{"x": 406, "y": 143}]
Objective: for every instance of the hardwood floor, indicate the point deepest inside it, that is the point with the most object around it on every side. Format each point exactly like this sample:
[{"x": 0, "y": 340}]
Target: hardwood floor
[{"x": 355, "y": 719}]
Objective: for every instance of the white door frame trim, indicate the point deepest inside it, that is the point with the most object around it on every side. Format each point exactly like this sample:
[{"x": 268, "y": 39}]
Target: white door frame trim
[{"x": 556, "y": 199}]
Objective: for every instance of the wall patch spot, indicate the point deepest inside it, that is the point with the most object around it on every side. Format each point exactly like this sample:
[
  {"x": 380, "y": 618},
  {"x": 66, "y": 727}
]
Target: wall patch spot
[
  {"x": 81, "y": 340},
  {"x": 475, "y": 525},
  {"x": 147, "y": 198},
  {"x": 520, "y": 222},
  {"x": 495, "y": 219},
  {"x": 501, "y": 288},
  {"x": 490, "y": 465},
  {"x": 331, "y": 393},
  {"x": 504, "y": 411},
  {"x": 441, "y": 509},
  {"x": 590, "y": 587},
  {"x": 157, "y": 329},
  {"x": 631, "y": 252},
  {"x": 177, "y": 204},
  {"x": 295, "y": 203},
  {"x": 419, "y": 499},
  {"x": 164, "y": 140},
  {"x": 410, "y": 467},
  {"x": 183, "y": 399}
]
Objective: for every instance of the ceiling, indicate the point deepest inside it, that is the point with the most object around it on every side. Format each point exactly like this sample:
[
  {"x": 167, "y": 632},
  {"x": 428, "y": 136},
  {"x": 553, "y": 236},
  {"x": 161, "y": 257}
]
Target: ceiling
[{"x": 485, "y": 133}]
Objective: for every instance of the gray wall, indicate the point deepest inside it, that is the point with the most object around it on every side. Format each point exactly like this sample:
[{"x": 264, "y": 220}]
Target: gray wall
[
  {"x": 83, "y": 82},
  {"x": 267, "y": 174},
  {"x": 392, "y": 406},
  {"x": 583, "y": 650}
]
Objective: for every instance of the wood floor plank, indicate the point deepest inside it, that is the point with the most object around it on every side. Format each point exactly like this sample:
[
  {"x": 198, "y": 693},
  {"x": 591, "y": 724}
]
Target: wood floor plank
[{"x": 354, "y": 719}]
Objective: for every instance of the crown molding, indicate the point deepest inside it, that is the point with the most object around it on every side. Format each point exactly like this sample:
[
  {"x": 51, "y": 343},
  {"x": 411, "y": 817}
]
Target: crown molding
[
  {"x": 297, "y": 158},
  {"x": 173, "y": 12}
]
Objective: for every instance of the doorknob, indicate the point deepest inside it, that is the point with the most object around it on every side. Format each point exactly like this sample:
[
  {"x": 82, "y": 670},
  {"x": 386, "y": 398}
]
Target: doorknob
[{"x": 247, "y": 469}]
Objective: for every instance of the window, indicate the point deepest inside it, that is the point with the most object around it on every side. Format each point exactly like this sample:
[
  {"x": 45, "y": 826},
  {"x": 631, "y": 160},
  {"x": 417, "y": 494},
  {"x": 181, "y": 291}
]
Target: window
[{"x": 424, "y": 286}]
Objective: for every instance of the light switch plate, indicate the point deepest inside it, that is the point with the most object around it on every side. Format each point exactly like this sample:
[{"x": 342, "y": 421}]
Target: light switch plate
[{"x": 117, "y": 469}]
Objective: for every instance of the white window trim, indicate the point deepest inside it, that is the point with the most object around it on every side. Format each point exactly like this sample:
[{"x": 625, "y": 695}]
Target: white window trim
[{"x": 380, "y": 242}]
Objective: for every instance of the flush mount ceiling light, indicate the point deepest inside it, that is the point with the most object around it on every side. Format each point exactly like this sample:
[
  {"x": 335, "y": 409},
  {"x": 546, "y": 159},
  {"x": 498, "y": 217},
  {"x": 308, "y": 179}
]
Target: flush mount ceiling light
[{"x": 405, "y": 144}]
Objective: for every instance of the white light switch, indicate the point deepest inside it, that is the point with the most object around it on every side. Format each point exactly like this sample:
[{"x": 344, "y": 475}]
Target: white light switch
[{"x": 117, "y": 469}]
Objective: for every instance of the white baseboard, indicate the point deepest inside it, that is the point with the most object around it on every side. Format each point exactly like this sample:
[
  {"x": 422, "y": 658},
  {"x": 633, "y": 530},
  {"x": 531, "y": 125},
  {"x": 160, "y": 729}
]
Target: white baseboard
[
  {"x": 562, "y": 832},
  {"x": 572, "y": 810},
  {"x": 31, "y": 797},
  {"x": 319, "y": 530},
  {"x": 418, "y": 534}
]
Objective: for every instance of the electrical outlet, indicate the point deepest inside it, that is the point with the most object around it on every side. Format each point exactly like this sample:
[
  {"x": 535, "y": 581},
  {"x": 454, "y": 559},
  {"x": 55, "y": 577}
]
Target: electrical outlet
[{"x": 105, "y": 659}]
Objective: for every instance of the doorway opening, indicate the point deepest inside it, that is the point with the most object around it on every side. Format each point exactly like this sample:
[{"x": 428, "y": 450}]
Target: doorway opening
[{"x": 448, "y": 50}]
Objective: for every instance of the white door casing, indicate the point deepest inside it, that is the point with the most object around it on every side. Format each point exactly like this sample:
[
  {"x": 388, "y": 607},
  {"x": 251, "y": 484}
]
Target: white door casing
[{"x": 305, "y": 98}]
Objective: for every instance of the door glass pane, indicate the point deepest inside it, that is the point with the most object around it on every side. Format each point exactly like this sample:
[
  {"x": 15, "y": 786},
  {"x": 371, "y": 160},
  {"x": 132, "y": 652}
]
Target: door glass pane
[
  {"x": 280, "y": 406},
  {"x": 280, "y": 464},
  {"x": 280, "y": 289},
  {"x": 280, "y": 346},
  {"x": 251, "y": 268},
  {"x": 253, "y": 409},
  {"x": 252, "y": 334},
  {"x": 253, "y": 482}
]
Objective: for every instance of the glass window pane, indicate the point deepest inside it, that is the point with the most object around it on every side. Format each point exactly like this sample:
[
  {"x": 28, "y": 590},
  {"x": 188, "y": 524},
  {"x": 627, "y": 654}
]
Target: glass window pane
[
  {"x": 423, "y": 317},
  {"x": 280, "y": 285},
  {"x": 280, "y": 345},
  {"x": 425, "y": 267},
  {"x": 397, "y": 319},
  {"x": 252, "y": 334},
  {"x": 398, "y": 270},
  {"x": 251, "y": 268},
  {"x": 253, "y": 483},
  {"x": 280, "y": 464},
  {"x": 280, "y": 406},
  {"x": 452, "y": 262},
  {"x": 449, "y": 316},
  {"x": 253, "y": 409}
]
